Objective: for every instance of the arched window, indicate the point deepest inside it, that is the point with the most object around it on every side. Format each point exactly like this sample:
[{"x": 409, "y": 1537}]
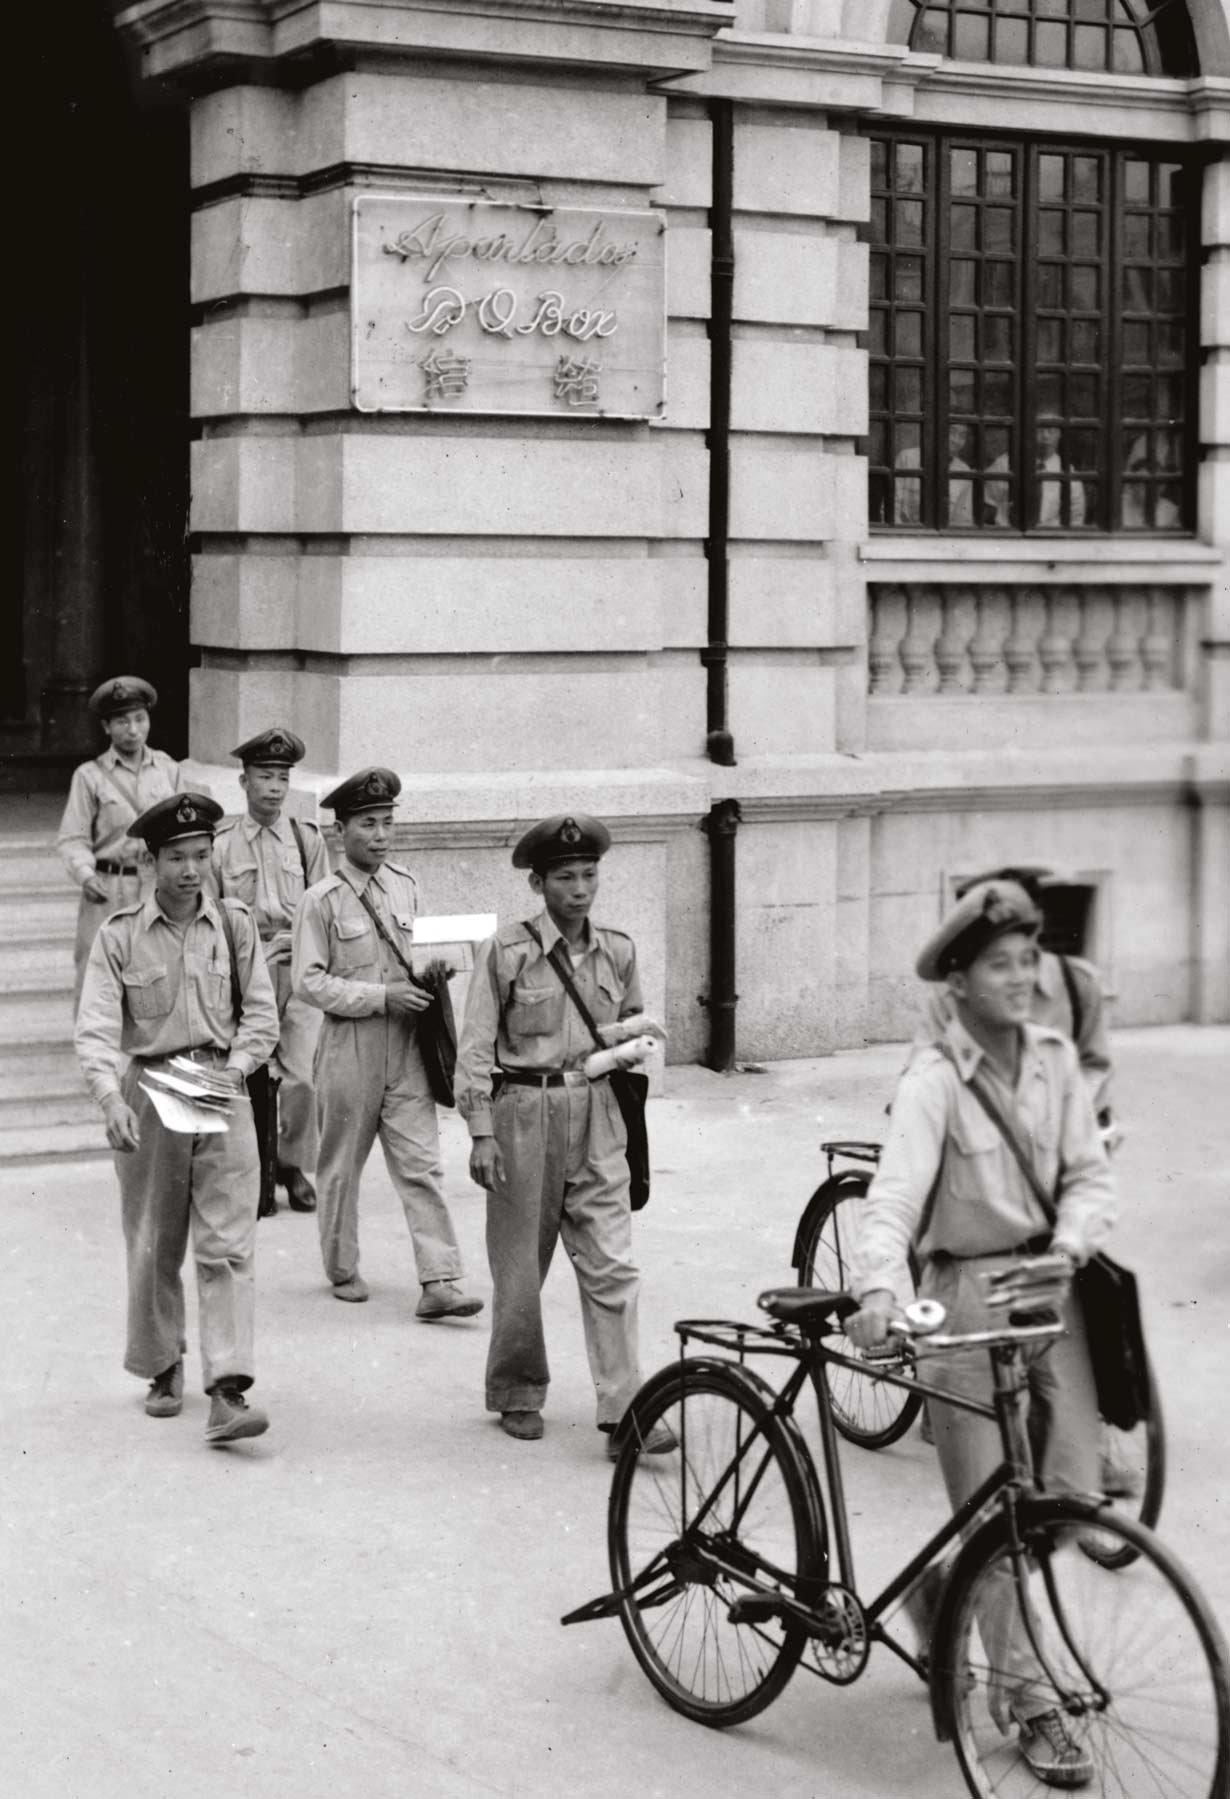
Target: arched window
[
  {"x": 1126, "y": 37},
  {"x": 1033, "y": 330}
]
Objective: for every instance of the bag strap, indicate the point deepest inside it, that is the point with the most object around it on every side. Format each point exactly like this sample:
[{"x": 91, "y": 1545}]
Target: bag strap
[
  {"x": 1011, "y": 1139},
  {"x": 296, "y": 831},
  {"x": 236, "y": 988},
  {"x": 565, "y": 975},
  {"x": 368, "y": 906},
  {"x": 1074, "y": 998},
  {"x": 108, "y": 776}
]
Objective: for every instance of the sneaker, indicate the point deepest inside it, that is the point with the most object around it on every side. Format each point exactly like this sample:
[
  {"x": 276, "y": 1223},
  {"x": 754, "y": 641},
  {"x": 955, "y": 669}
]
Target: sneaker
[
  {"x": 659, "y": 1441},
  {"x": 165, "y": 1398},
  {"x": 1052, "y": 1752},
  {"x": 1119, "y": 1480},
  {"x": 354, "y": 1290},
  {"x": 445, "y": 1299},
  {"x": 527, "y": 1426},
  {"x": 231, "y": 1417}
]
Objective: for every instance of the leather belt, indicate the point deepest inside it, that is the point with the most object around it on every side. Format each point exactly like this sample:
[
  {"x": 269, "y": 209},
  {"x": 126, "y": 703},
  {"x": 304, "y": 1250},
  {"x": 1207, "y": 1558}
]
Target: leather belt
[
  {"x": 103, "y": 867},
  {"x": 1032, "y": 1246},
  {"x": 207, "y": 1052},
  {"x": 547, "y": 1077}
]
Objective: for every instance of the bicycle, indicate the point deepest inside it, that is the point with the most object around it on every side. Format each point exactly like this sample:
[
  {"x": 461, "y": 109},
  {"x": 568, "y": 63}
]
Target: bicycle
[
  {"x": 725, "y": 1578},
  {"x": 869, "y": 1415}
]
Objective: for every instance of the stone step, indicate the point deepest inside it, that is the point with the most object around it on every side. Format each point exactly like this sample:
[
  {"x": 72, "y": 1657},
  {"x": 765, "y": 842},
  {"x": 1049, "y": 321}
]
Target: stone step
[
  {"x": 34, "y": 978},
  {"x": 50, "y": 958},
  {"x": 38, "y": 1017},
  {"x": 26, "y": 865},
  {"x": 21, "y": 1111},
  {"x": 19, "y": 905},
  {"x": 26, "y": 1144},
  {"x": 39, "y": 1067}
]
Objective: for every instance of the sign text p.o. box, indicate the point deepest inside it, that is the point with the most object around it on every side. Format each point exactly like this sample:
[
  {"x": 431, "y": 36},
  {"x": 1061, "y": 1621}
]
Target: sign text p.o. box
[{"x": 482, "y": 306}]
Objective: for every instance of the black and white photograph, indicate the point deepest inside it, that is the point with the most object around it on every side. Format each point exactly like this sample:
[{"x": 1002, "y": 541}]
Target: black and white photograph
[{"x": 615, "y": 900}]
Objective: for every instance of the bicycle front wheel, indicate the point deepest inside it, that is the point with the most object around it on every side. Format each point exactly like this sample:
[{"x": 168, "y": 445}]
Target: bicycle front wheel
[
  {"x": 731, "y": 1515},
  {"x": 1119, "y": 1678},
  {"x": 868, "y": 1412}
]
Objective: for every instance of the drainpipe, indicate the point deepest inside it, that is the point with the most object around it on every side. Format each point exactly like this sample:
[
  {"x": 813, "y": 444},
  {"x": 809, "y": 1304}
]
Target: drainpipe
[{"x": 723, "y": 819}]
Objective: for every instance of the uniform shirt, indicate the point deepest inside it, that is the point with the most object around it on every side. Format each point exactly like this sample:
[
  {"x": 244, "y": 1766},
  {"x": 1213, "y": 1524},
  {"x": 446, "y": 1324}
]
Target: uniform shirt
[
  {"x": 1052, "y": 1006},
  {"x": 340, "y": 962},
  {"x": 519, "y": 1012},
  {"x": 983, "y": 1203},
  {"x": 104, "y": 797},
  {"x": 261, "y": 865},
  {"x": 153, "y": 987}
]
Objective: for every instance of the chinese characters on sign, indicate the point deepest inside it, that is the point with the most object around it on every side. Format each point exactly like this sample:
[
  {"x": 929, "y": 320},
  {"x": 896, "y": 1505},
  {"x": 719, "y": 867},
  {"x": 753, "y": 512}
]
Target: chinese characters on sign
[{"x": 480, "y": 306}]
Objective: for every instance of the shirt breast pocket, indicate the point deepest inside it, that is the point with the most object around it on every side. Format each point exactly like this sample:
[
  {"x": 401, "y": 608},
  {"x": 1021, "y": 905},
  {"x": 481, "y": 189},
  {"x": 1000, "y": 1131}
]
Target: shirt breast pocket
[
  {"x": 353, "y": 945},
  {"x": 240, "y": 884},
  {"x": 608, "y": 1000},
  {"x": 535, "y": 1011},
  {"x": 292, "y": 877},
  {"x": 972, "y": 1159},
  {"x": 218, "y": 985},
  {"x": 148, "y": 992}
]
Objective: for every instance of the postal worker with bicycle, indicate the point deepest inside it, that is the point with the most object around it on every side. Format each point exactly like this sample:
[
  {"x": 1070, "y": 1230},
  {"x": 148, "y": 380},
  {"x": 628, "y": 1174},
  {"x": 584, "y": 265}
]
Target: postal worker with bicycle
[
  {"x": 549, "y": 1144},
  {"x": 949, "y": 1183}
]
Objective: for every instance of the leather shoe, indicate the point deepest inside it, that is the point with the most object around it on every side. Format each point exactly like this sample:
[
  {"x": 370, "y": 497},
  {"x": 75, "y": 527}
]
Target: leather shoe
[
  {"x": 299, "y": 1191},
  {"x": 525, "y": 1425},
  {"x": 231, "y": 1417},
  {"x": 165, "y": 1398},
  {"x": 445, "y": 1299},
  {"x": 355, "y": 1289}
]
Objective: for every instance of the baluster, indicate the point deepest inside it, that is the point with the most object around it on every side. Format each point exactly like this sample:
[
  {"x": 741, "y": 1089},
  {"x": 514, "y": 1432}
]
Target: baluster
[
  {"x": 950, "y": 644},
  {"x": 883, "y": 662},
  {"x": 1088, "y": 651},
  {"x": 917, "y": 646},
  {"x": 1123, "y": 645},
  {"x": 1054, "y": 648},
  {"x": 1018, "y": 648},
  {"x": 1157, "y": 644},
  {"x": 984, "y": 645}
]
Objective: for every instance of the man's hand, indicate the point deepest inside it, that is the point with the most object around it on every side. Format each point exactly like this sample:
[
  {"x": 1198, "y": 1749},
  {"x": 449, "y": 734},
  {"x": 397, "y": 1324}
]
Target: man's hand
[
  {"x": 868, "y": 1327},
  {"x": 237, "y": 1078},
  {"x": 486, "y": 1164},
  {"x": 278, "y": 949},
  {"x": 123, "y": 1132},
  {"x": 402, "y": 999},
  {"x": 96, "y": 889}
]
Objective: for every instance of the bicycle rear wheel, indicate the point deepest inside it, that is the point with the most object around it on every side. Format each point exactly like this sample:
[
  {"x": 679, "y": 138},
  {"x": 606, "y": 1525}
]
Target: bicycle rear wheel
[
  {"x": 1130, "y": 1662},
  {"x": 738, "y": 1519},
  {"x": 867, "y": 1412},
  {"x": 1133, "y": 1476}
]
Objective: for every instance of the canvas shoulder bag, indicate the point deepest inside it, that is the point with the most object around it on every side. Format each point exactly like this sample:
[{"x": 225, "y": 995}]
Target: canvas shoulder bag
[{"x": 630, "y": 1088}]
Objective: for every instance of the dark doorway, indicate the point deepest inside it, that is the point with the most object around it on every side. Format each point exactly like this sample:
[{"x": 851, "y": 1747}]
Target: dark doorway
[{"x": 98, "y": 374}]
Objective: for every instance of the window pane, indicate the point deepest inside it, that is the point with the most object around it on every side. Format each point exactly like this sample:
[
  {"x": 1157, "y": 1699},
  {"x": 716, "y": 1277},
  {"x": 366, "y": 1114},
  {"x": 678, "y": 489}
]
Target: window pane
[
  {"x": 1084, "y": 286},
  {"x": 877, "y": 333},
  {"x": 961, "y": 339},
  {"x": 879, "y": 162},
  {"x": 1051, "y": 46},
  {"x": 907, "y": 442},
  {"x": 1086, "y": 178},
  {"x": 908, "y": 169},
  {"x": 961, "y": 283},
  {"x": 879, "y": 275},
  {"x": 963, "y": 171},
  {"x": 908, "y": 217},
  {"x": 908, "y": 334},
  {"x": 1000, "y": 181},
  {"x": 1137, "y": 289},
  {"x": 1171, "y": 236},
  {"x": 877, "y": 387},
  {"x": 1083, "y": 392},
  {"x": 1083, "y": 450},
  {"x": 997, "y": 224},
  {"x": 908, "y": 281},
  {"x": 1049, "y": 340},
  {"x": 1136, "y": 182},
  {"x": 1088, "y": 9},
  {"x": 1084, "y": 234},
  {"x": 972, "y": 38},
  {"x": 1048, "y": 391},
  {"x": 1170, "y": 185},
  {"x": 1171, "y": 399},
  {"x": 964, "y": 220},
  {"x": 879, "y": 221},
  {"x": 997, "y": 339},
  {"x": 997, "y": 284},
  {"x": 907, "y": 500},
  {"x": 931, "y": 32},
  {"x": 961, "y": 395},
  {"x": 1126, "y": 55},
  {"x": 877, "y": 442},
  {"x": 1051, "y": 177},
  {"x": 1171, "y": 290},
  {"x": 1089, "y": 49},
  {"x": 1084, "y": 341},
  {"x": 1050, "y": 284},
  {"x": 1012, "y": 41},
  {"x": 907, "y": 390},
  {"x": 1137, "y": 397},
  {"x": 1050, "y": 232},
  {"x": 1135, "y": 342},
  {"x": 997, "y": 393},
  {"x": 1170, "y": 341}
]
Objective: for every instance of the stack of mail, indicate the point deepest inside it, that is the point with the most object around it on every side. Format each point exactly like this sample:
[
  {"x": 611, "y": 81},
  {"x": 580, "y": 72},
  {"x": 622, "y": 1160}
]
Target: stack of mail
[
  {"x": 451, "y": 940},
  {"x": 189, "y": 1097}
]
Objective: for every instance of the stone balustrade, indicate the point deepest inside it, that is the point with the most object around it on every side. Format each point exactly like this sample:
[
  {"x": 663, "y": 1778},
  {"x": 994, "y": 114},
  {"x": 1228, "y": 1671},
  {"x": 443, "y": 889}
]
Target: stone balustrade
[{"x": 946, "y": 639}]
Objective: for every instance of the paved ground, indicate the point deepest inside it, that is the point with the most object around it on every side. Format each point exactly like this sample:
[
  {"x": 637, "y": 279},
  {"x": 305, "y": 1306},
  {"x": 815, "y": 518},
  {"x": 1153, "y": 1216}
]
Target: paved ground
[{"x": 365, "y": 1602}]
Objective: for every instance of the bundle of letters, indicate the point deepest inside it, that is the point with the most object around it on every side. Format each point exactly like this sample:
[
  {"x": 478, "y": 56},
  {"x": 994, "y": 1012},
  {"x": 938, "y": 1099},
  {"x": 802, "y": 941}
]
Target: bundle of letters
[{"x": 189, "y": 1097}]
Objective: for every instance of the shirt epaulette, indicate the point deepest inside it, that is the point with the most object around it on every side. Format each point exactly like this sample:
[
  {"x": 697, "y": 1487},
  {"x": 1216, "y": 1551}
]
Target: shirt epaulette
[
  {"x": 509, "y": 934},
  {"x": 328, "y": 884},
  {"x": 226, "y": 824},
  {"x": 123, "y": 912},
  {"x": 397, "y": 868},
  {"x": 610, "y": 930}
]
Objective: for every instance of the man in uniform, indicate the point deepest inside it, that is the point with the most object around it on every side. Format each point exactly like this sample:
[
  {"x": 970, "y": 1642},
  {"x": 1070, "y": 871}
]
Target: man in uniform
[
  {"x": 269, "y": 861},
  {"x": 550, "y": 1147},
  {"x": 95, "y": 838},
  {"x": 352, "y": 942},
  {"x": 949, "y": 1185},
  {"x": 182, "y": 975}
]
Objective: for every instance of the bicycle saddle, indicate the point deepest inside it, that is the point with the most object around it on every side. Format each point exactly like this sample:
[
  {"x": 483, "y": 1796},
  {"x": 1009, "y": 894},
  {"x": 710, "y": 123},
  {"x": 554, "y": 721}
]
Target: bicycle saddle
[{"x": 814, "y": 1309}]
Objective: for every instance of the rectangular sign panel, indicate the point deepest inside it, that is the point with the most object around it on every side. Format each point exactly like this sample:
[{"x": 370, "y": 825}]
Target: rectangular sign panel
[{"x": 482, "y": 306}]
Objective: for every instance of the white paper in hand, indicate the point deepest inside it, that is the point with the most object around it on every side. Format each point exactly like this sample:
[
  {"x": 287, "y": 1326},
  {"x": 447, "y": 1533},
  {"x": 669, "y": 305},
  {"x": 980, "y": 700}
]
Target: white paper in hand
[
  {"x": 180, "y": 1114},
  {"x": 450, "y": 939}
]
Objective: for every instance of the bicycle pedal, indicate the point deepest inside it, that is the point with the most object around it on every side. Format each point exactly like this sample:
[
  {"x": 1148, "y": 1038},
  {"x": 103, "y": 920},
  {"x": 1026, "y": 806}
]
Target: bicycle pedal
[{"x": 755, "y": 1608}]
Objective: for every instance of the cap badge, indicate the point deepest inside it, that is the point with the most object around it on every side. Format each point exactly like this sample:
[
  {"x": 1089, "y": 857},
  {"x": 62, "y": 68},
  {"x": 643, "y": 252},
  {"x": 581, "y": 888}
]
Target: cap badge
[
  {"x": 185, "y": 812},
  {"x": 570, "y": 831}
]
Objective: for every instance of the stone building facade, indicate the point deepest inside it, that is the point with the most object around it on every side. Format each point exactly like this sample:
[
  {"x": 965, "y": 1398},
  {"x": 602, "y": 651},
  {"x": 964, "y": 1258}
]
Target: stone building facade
[{"x": 823, "y": 601}]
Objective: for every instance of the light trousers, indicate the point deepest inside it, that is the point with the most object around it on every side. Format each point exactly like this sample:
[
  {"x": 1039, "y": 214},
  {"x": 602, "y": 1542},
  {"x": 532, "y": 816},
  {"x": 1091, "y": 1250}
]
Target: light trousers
[
  {"x": 1063, "y": 1430},
  {"x": 565, "y": 1177},
  {"x": 292, "y": 1064},
  {"x": 370, "y": 1082},
  {"x": 171, "y": 1186}
]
